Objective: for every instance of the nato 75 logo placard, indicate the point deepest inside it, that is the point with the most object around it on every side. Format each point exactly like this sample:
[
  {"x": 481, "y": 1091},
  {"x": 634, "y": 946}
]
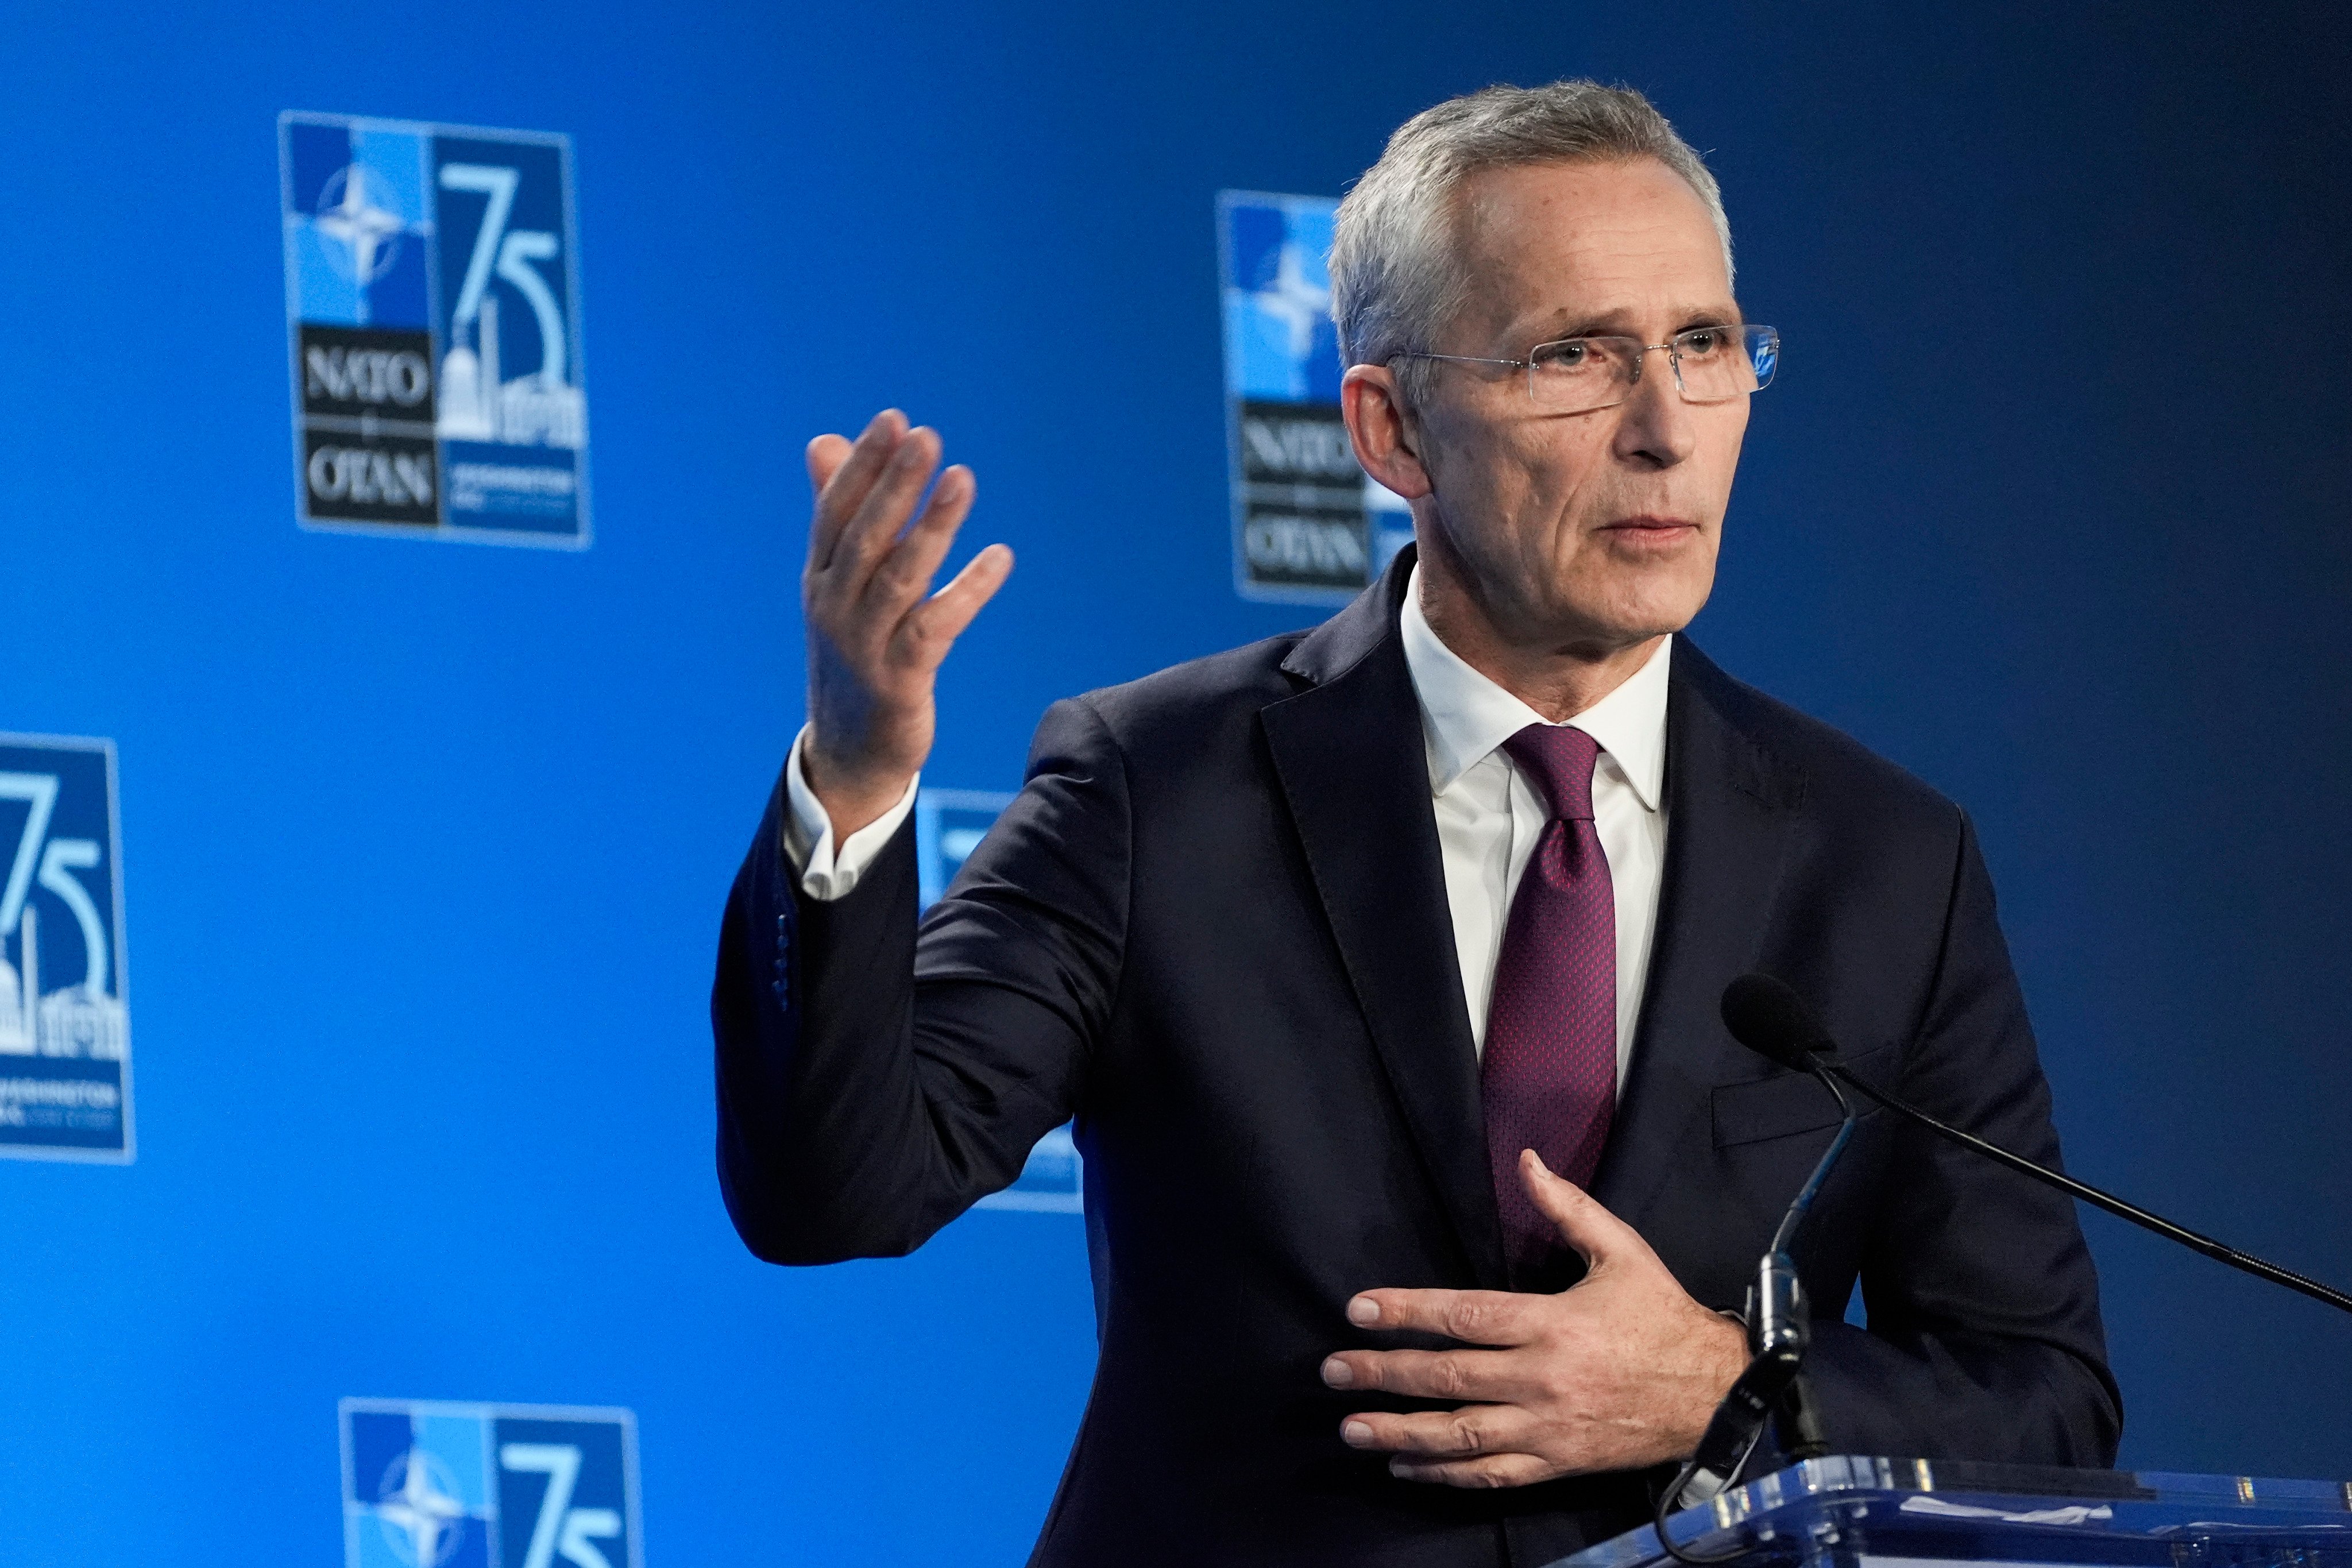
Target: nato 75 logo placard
[
  {"x": 433, "y": 1485},
  {"x": 948, "y": 825},
  {"x": 65, "y": 1018},
  {"x": 433, "y": 308},
  {"x": 1308, "y": 524}
]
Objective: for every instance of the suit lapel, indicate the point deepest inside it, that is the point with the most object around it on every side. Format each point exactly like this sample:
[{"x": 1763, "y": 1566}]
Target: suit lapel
[
  {"x": 1731, "y": 805},
  {"x": 1350, "y": 755},
  {"x": 1349, "y": 752}
]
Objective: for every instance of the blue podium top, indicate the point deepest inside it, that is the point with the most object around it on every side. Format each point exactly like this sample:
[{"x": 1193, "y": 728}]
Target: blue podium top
[{"x": 1851, "y": 1512}]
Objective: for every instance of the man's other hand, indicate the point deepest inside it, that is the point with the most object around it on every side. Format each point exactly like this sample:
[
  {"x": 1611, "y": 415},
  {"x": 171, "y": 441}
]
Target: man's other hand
[
  {"x": 1619, "y": 1370},
  {"x": 876, "y": 633}
]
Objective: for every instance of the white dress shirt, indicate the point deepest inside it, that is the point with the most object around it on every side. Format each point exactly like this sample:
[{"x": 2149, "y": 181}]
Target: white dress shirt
[
  {"x": 828, "y": 871},
  {"x": 1489, "y": 816}
]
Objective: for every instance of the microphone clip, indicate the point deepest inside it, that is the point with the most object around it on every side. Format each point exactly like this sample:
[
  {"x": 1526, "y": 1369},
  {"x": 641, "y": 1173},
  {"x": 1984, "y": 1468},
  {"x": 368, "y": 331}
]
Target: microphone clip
[{"x": 1779, "y": 1333}]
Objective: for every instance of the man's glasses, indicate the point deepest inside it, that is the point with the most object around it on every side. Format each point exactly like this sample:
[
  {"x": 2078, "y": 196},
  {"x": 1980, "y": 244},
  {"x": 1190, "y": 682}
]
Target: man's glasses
[{"x": 1576, "y": 375}]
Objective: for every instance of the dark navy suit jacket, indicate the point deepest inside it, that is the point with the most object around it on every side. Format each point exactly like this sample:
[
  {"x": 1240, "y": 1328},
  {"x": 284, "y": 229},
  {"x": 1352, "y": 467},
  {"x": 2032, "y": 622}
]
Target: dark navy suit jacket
[{"x": 1214, "y": 929}]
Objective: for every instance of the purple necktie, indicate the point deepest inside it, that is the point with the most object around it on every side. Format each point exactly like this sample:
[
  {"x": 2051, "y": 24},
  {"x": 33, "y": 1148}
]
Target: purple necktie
[{"x": 1549, "y": 1076}]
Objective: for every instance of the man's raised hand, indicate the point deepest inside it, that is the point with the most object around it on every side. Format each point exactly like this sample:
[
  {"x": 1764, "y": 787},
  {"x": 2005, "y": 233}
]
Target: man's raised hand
[{"x": 876, "y": 633}]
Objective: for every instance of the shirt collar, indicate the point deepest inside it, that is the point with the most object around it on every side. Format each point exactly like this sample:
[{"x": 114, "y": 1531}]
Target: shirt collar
[{"x": 1464, "y": 716}]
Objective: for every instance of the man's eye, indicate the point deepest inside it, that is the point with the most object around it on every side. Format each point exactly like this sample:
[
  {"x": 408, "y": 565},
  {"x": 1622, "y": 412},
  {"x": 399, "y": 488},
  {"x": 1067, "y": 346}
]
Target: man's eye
[
  {"x": 1564, "y": 356},
  {"x": 1707, "y": 341}
]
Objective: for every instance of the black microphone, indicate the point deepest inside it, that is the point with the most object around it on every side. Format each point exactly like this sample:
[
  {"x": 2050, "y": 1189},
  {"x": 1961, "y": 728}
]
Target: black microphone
[
  {"x": 1770, "y": 1019},
  {"x": 1767, "y": 1015},
  {"x": 1780, "y": 1325}
]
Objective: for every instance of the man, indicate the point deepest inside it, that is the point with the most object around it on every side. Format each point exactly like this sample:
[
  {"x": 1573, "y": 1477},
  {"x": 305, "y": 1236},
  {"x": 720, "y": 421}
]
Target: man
[{"x": 1380, "y": 965}]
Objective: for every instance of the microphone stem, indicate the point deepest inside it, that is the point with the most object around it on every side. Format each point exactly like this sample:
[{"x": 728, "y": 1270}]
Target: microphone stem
[
  {"x": 2219, "y": 1252},
  {"x": 1782, "y": 1238},
  {"x": 1801, "y": 1423}
]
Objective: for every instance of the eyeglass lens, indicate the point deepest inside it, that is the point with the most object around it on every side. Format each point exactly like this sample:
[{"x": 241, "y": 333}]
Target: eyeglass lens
[{"x": 1713, "y": 364}]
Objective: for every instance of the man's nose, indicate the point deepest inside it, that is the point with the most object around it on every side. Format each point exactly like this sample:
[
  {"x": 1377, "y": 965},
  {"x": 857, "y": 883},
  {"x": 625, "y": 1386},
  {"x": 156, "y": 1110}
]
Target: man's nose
[{"x": 1655, "y": 425}]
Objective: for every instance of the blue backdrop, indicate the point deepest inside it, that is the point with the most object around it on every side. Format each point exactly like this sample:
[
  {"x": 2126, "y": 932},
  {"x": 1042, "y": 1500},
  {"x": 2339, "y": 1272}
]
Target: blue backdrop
[{"x": 425, "y": 844}]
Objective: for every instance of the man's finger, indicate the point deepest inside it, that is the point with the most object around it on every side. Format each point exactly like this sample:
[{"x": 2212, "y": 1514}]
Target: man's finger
[
  {"x": 931, "y": 627},
  {"x": 1429, "y": 1435},
  {"x": 826, "y": 453},
  {"x": 1478, "y": 1317},
  {"x": 882, "y": 515},
  {"x": 825, "y": 456},
  {"x": 1486, "y": 1474},
  {"x": 1432, "y": 1374},
  {"x": 904, "y": 573},
  {"x": 1583, "y": 1222},
  {"x": 846, "y": 488}
]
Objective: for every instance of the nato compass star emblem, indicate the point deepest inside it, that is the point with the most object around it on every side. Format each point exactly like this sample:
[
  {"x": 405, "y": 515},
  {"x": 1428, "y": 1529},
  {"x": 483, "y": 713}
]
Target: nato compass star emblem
[
  {"x": 421, "y": 1518},
  {"x": 368, "y": 229},
  {"x": 1295, "y": 299}
]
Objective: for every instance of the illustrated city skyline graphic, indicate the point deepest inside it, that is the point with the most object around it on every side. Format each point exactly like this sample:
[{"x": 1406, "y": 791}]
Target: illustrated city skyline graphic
[{"x": 82, "y": 1018}]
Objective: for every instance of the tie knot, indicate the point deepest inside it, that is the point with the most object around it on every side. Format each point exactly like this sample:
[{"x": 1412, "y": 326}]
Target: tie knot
[{"x": 1559, "y": 761}]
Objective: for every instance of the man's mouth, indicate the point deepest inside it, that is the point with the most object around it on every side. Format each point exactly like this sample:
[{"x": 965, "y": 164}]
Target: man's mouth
[{"x": 1650, "y": 529}]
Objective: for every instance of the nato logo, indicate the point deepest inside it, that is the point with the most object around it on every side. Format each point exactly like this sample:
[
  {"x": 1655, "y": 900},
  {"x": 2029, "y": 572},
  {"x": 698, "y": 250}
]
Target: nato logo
[
  {"x": 1308, "y": 524},
  {"x": 948, "y": 825},
  {"x": 65, "y": 1019},
  {"x": 432, "y": 304},
  {"x": 488, "y": 1486}
]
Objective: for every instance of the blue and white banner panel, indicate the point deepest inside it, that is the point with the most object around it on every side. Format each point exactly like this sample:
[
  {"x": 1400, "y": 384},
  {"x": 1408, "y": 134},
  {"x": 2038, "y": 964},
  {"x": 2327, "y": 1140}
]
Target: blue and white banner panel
[
  {"x": 1308, "y": 524},
  {"x": 433, "y": 305},
  {"x": 948, "y": 825},
  {"x": 1053, "y": 1180},
  {"x": 430, "y": 1485},
  {"x": 64, "y": 1016}
]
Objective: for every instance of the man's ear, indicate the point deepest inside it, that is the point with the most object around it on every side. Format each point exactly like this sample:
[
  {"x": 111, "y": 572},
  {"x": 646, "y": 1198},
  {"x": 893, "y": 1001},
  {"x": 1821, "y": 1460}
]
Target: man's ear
[{"x": 1383, "y": 433}]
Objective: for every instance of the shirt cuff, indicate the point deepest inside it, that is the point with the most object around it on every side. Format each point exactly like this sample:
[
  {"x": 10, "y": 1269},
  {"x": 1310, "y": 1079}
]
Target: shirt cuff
[{"x": 826, "y": 872}]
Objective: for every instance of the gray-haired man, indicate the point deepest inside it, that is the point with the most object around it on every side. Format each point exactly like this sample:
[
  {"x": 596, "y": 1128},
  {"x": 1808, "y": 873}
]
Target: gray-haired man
[{"x": 1379, "y": 964}]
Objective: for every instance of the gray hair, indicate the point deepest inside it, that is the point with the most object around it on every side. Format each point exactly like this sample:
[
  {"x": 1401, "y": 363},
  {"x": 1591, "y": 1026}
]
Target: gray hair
[{"x": 1395, "y": 279}]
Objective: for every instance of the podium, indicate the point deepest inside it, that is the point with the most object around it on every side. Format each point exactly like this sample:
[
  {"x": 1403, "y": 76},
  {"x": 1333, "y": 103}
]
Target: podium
[{"x": 1849, "y": 1513}]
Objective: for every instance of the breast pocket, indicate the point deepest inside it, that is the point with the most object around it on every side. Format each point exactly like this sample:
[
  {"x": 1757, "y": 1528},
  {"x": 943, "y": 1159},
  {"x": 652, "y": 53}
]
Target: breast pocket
[{"x": 1789, "y": 1103}]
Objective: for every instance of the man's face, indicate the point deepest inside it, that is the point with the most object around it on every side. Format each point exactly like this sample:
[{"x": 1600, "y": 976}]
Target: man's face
[{"x": 1591, "y": 531}]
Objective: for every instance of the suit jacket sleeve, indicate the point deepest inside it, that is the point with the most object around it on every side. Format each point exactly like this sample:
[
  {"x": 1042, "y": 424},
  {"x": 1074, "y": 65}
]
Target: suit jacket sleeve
[
  {"x": 1984, "y": 1336},
  {"x": 873, "y": 1084}
]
